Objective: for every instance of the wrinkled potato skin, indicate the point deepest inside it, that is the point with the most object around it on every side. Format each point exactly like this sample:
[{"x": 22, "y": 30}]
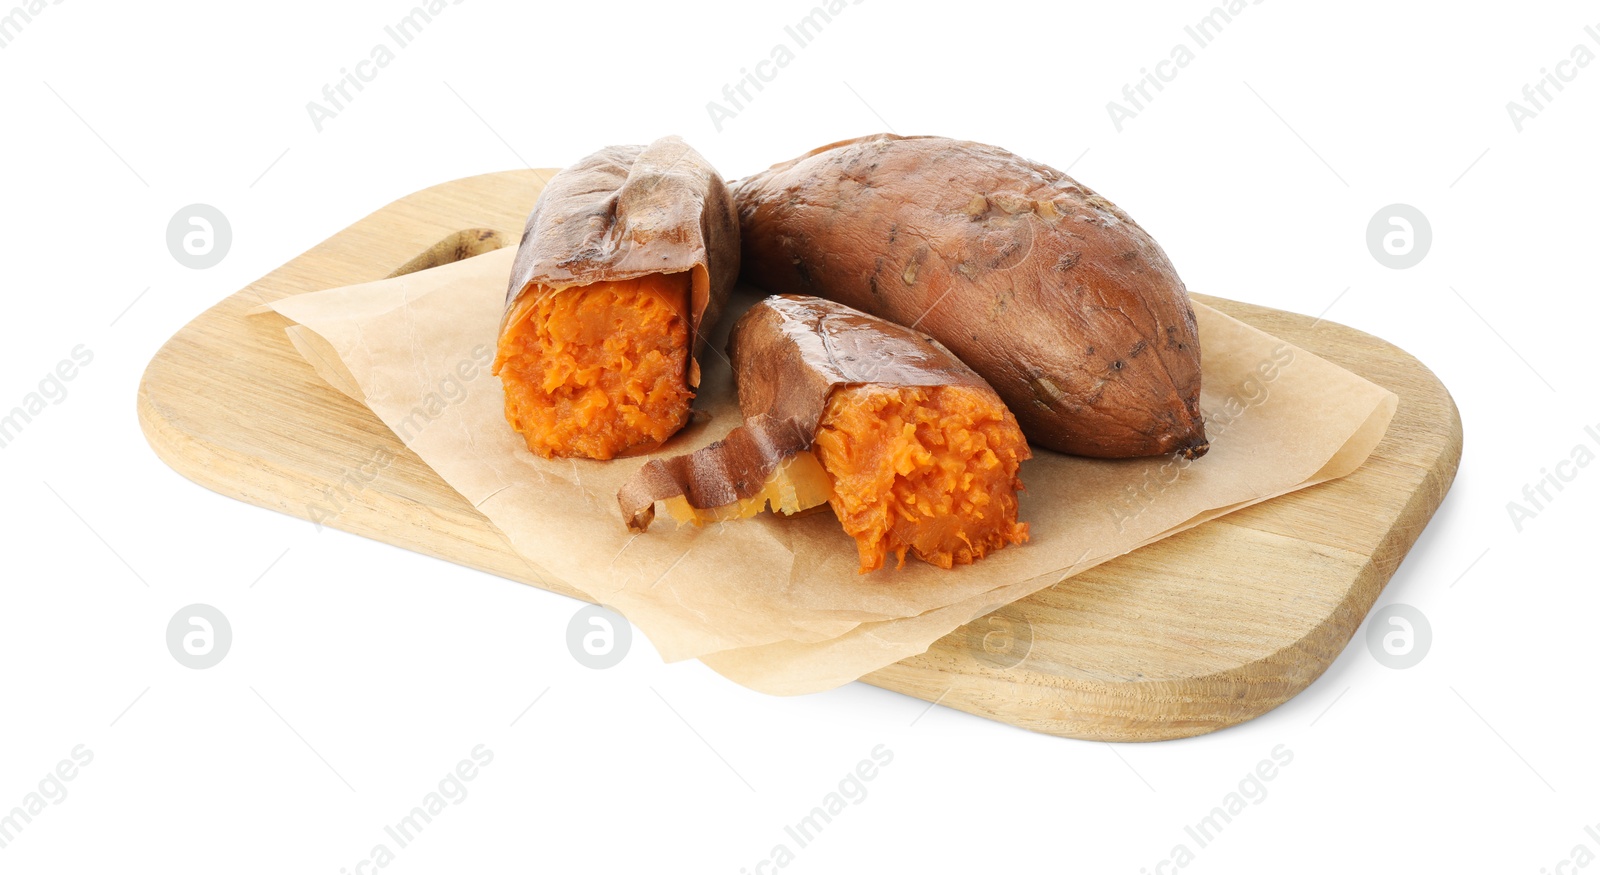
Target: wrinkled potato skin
[
  {"x": 630, "y": 211},
  {"x": 1049, "y": 291},
  {"x": 790, "y": 352}
]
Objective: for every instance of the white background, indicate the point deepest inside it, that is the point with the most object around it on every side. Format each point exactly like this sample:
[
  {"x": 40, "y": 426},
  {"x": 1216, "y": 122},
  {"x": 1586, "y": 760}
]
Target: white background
[{"x": 360, "y": 674}]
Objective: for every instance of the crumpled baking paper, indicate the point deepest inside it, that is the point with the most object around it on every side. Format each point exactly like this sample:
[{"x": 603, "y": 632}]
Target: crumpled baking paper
[{"x": 776, "y": 604}]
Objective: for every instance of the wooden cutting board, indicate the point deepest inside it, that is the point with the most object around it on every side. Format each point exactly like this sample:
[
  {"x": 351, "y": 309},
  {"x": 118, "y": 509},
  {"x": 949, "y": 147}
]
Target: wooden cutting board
[{"x": 1199, "y": 631}]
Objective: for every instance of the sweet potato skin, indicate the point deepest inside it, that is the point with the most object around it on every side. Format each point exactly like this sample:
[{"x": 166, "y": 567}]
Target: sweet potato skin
[
  {"x": 789, "y": 352},
  {"x": 628, "y": 211},
  {"x": 1066, "y": 306}
]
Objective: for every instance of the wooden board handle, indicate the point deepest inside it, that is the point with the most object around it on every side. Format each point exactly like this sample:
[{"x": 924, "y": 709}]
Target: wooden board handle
[{"x": 459, "y": 246}]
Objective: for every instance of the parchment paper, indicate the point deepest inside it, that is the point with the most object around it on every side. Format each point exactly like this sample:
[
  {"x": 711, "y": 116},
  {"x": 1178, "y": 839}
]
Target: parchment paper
[{"x": 776, "y": 604}]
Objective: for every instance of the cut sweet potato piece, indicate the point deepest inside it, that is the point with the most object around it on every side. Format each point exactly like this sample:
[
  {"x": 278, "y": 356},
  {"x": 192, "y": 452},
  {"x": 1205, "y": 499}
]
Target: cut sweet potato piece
[
  {"x": 627, "y": 259},
  {"x": 913, "y": 450},
  {"x": 764, "y": 462}
]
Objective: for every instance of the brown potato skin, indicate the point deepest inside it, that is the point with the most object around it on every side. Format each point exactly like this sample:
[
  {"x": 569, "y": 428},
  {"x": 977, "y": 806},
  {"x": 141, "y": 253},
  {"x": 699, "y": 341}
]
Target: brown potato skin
[
  {"x": 1054, "y": 295},
  {"x": 630, "y": 211},
  {"x": 790, "y": 352}
]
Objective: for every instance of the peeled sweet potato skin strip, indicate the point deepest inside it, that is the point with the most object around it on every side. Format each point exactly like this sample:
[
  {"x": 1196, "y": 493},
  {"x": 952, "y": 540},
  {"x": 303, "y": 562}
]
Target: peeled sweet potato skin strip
[{"x": 716, "y": 475}]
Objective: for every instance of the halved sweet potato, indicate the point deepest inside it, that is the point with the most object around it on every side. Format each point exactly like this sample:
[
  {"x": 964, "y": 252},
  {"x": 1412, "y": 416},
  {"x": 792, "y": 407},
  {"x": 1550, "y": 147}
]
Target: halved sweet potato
[
  {"x": 1059, "y": 299},
  {"x": 913, "y": 450},
  {"x": 626, "y": 261}
]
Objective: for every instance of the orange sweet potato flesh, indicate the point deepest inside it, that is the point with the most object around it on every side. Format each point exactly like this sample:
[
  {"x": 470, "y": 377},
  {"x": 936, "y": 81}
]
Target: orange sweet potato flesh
[
  {"x": 598, "y": 370},
  {"x": 929, "y": 470},
  {"x": 626, "y": 261}
]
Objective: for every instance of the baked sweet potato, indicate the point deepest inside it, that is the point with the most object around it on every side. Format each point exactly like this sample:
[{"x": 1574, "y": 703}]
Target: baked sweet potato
[
  {"x": 627, "y": 259},
  {"x": 1064, "y": 304},
  {"x": 914, "y": 451}
]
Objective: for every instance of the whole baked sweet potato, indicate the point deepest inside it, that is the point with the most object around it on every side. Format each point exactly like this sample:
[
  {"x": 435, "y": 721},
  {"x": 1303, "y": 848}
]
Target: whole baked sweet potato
[{"x": 1059, "y": 299}]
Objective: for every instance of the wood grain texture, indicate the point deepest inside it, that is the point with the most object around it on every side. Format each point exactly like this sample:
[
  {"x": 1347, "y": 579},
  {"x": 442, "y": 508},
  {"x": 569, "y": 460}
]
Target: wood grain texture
[{"x": 1197, "y": 632}]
